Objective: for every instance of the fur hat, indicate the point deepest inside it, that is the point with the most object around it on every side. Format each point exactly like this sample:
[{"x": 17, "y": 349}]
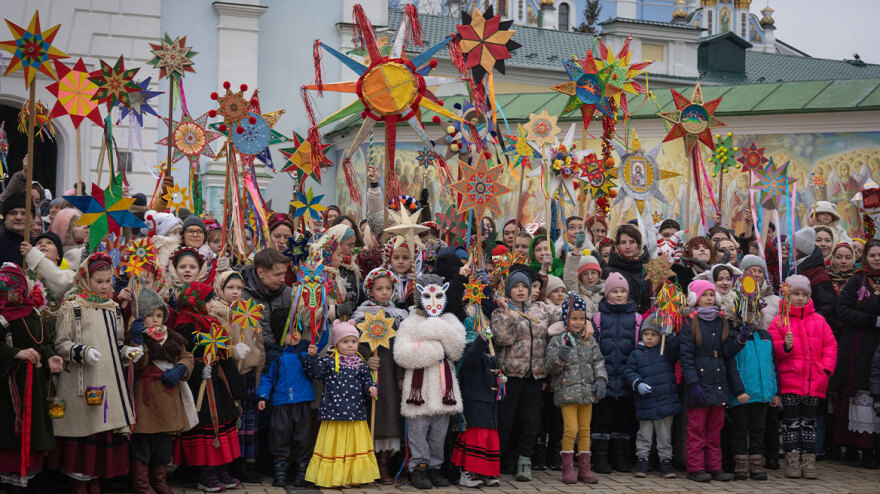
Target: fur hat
[
  {"x": 615, "y": 280},
  {"x": 14, "y": 201},
  {"x": 696, "y": 290},
  {"x": 554, "y": 283},
  {"x": 148, "y": 301},
  {"x": 587, "y": 263},
  {"x": 799, "y": 282},
  {"x": 165, "y": 222},
  {"x": 341, "y": 330},
  {"x": 805, "y": 240},
  {"x": 575, "y": 302},
  {"x": 751, "y": 260},
  {"x": 826, "y": 207}
]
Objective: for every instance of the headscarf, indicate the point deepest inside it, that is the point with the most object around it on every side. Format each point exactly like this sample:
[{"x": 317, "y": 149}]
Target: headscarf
[
  {"x": 192, "y": 307},
  {"x": 556, "y": 268},
  {"x": 83, "y": 293},
  {"x": 16, "y": 300},
  {"x": 222, "y": 280},
  {"x": 838, "y": 277}
]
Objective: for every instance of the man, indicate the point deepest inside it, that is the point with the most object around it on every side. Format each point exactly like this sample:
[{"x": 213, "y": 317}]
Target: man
[
  {"x": 264, "y": 282},
  {"x": 13, "y": 228}
]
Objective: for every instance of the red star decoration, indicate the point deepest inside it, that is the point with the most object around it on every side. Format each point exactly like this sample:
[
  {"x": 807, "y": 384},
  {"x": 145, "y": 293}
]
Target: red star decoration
[{"x": 692, "y": 119}]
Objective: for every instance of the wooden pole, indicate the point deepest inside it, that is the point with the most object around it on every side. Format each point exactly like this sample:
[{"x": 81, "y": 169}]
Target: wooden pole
[
  {"x": 720, "y": 195},
  {"x": 170, "y": 126},
  {"x": 522, "y": 179},
  {"x": 690, "y": 189},
  {"x": 29, "y": 203},
  {"x": 373, "y": 408},
  {"x": 79, "y": 190}
]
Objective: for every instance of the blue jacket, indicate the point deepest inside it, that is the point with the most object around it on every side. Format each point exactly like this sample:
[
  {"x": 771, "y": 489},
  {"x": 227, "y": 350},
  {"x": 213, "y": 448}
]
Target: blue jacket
[
  {"x": 646, "y": 365},
  {"x": 345, "y": 391},
  {"x": 617, "y": 331},
  {"x": 285, "y": 381},
  {"x": 755, "y": 371},
  {"x": 709, "y": 362},
  {"x": 479, "y": 385}
]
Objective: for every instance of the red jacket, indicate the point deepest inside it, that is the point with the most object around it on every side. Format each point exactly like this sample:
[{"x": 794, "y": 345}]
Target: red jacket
[{"x": 805, "y": 369}]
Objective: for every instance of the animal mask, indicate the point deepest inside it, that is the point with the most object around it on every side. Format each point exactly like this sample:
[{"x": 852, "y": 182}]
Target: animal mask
[{"x": 432, "y": 298}]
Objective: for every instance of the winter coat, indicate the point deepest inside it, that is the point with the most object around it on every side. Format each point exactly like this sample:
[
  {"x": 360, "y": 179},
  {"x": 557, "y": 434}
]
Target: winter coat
[
  {"x": 219, "y": 309},
  {"x": 101, "y": 329},
  {"x": 823, "y": 294},
  {"x": 684, "y": 275},
  {"x": 345, "y": 390},
  {"x": 634, "y": 274},
  {"x": 285, "y": 382},
  {"x": 276, "y": 306},
  {"x": 161, "y": 409},
  {"x": 755, "y": 370},
  {"x": 573, "y": 377},
  {"x": 57, "y": 280},
  {"x": 591, "y": 294},
  {"x": 521, "y": 342},
  {"x": 805, "y": 369},
  {"x": 479, "y": 385},
  {"x": 426, "y": 346},
  {"x": 860, "y": 336},
  {"x": 10, "y": 247},
  {"x": 646, "y": 365},
  {"x": 617, "y": 329},
  {"x": 709, "y": 362}
]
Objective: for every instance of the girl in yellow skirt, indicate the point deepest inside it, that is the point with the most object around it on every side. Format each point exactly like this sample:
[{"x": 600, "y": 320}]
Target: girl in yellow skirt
[{"x": 344, "y": 450}]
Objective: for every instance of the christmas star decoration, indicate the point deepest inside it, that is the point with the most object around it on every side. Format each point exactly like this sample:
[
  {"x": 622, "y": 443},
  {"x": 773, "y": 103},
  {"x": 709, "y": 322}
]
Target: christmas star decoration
[
  {"x": 521, "y": 150},
  {"x": 308, "y": 203},
  {"x": 42, "y": 121},
  {"x": 257, "y": 135},
  {"x": 142, "y": 249},
  {"x": 658, "y": 270},
  {"x": 504, "y": 262},
  {"x": 246, "y": 313},
  {"x": 232, "y": 107},
  {"x": 725, "y": 154},
  {"x": 105, "y": 210},
  {"x": 213, "y": 341},
  {"x": 561, "y": 168},
  {"x": 752, "y": 158},
  {"x": 297, "y": 248},
  {"x": 542, "y": 129},
  {"x": 112, "y": 247},
  {"x": 114, "y": 83},
  {"x": 486, "y": 41},
  {"x": 377, "y": 330},
  {"x": 479, "y": 188},
  {"x": 585, "y": 89},
  {"x": 619, "y": 74},
  {"x": 449, "y": 223},
  {"x": 299, "y": 159},
  {"x": 32, "y": 49},
  {"x": 692, "y": 119},
  {"x": 172, "y": 57},
  {"x": 407, "y": 229},
  {"x": 773, "y": 183},
  {"x": 599, "y": 179},
  {"x": 639, "y": 174},
  {"x": 192, "y": 138},
  {"x": 74, "y": 92},
  {"x": 425, "y": 158},
  {"x": 139, "y": 103},
  {"x": 176, "y": 197},
  {"x": 474, "y": 291},
  {"x": 134, "y": 267}
]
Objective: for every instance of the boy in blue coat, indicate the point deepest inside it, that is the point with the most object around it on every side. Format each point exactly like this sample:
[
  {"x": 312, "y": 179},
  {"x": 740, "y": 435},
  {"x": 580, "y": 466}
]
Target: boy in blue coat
[{"x": 652, "y": 376}]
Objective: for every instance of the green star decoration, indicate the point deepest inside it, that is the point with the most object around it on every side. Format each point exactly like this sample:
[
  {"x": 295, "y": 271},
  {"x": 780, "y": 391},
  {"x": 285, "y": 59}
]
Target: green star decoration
[
  {"x": 725, "y": 154},
  {"x": 114, "y": 83},
  {"x": 172, "y": 57}
]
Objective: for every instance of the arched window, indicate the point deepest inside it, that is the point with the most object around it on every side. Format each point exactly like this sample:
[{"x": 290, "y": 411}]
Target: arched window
[{"x": 564, "y": 17}]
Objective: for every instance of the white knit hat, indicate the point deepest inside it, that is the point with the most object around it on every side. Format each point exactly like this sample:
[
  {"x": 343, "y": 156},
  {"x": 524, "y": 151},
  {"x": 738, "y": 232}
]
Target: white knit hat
[
  {"x": 826, "y": 207},
  {"x": 805, "y": 240},
  {"x": 165, "y": 222}
]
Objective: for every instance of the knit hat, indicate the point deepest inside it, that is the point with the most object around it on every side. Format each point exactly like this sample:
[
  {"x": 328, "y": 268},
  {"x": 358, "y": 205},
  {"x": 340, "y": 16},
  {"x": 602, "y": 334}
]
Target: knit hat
[
  {"x": 278, "y": 219},
  {"x": 805, "y": 240},
  {"x": 615, "y": 280},
  {"x": 826, "y": 207},
  {"x": 799, "y": 282},
  {"x": 341, "y": 330},
  {"x": 554, "y": 283},
  {"x": 652, "y": 322},
  {"x": 193, "y": 220},
  {"x": 14, "y": 201},
  {"x": 148, "y": 301},
  {"x": 55, "y": 240},
  {"x": 518, "y": 276},
  {"x": 696, "y": 290},
  {"x": 165, "y": 222},
  {"x": 576, "y": 302},
  {"x": 750, "y": 260},
  {"x": 589, "y": 262}
]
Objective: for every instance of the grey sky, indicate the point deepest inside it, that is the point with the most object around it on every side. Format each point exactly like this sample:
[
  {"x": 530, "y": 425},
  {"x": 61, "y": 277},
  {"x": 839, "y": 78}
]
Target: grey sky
[{"x": 832, "y": 29}]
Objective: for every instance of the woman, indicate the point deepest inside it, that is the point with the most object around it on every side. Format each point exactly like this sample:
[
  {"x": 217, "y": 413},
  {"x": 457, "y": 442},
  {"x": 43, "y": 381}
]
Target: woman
[
  {"x": 629, "y": 257},
  {"x": 598, "y": 227},
  {"x": 488, "y": 226},
  {"x": 280, "y": 229},
  {"x": 722, "y": 276},
  {"x": 858, "y": 309},
  {"x": 698, "y": 253},
  {"x": 331, "y": 214},
  {"x": 508, "y": 233},
  {"x": 726, "y": 252},
  {"x": 841, "y": 268},
  {"x": 826, "y": 239}
]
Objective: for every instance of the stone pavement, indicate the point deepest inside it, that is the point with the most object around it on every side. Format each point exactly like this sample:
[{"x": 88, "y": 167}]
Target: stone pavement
[{"x": 834, "y": 478}]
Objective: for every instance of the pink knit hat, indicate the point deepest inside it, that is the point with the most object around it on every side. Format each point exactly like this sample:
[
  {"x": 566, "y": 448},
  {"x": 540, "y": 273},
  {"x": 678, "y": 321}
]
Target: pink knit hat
[
  {"x": 799, "y": 282},
  {"x": 696, "y": 290},
  {"x": 341, "y": 330},
  {"x": 615, "y": 280}
]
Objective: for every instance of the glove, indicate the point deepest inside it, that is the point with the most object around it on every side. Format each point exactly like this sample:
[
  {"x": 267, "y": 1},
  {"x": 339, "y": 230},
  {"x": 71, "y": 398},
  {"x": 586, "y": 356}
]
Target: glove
[
  {"x": 92, "y": 356},
  {"x": 133, "y": 353},
  {"x": 224, "y": 264},
  {"x": 698, "y": 396},
  {"x": 725, "y": 257},
  {"x": 599, "y": 389},
  {"x": 745, "y": 332},
  {"x": 345, "y": 309},
  {"x": 206, "y": 372},
  {"x": 172, "y": 376},
  {"x": 644, "y": 389},
  {"x": 580, "y": 239},
  {"x": 137, "y": 331},
  {"x": 241, "y": 350},
  {"x": 563, "y": 353}
]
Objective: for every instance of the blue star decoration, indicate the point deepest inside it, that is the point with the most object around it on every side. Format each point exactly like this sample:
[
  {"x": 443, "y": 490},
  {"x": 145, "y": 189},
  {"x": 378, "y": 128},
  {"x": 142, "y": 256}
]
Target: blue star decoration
[
  {"x": 297, "y": 248},
  {"x": 139, "y": 103},
  {"x": 308, "y": 203}
]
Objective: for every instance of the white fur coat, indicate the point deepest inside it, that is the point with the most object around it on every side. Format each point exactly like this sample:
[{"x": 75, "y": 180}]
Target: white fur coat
[{"x": 422, "y": 343}]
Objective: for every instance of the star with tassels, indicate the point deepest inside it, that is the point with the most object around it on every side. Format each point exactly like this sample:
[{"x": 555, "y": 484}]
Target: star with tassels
[
  {"x": 586, "y": 88},
  {"x": 115, "y": 84},
  {"x": 32, "y": 49},
  {"x": 138, "y": 102},
  {"x": 258, "y": 134},
  {"x": 407, "y": 229},
  {"x": 752, "y": 158},
  {"x": 192, "y": 138},
  {"x": 620, "y": 74},
  {"x": 74, "y": 92},
  {"x": 474, "y": 291},
  {"x": 246, "y": 313},
  {"x": 172, "y": 57},
  {"x": 486, "y": 41},
  {"x": 299, "y": 159},
  {"x": 232, "y": 107},
  {"x": 377, "y": 330},
  {"x": 773, "y": 183},
  {"x": 542, "y": 129},
  {"x": 599, "y": 178},
  {"x": 692, "y": 119},
  {"x": 725, "y": 154},
  {"x": 479, "y": 188},
  {"x": 176, "y": 197},
  {"x": 309, "y": 204},
  {"x": 521, "y": 151}
]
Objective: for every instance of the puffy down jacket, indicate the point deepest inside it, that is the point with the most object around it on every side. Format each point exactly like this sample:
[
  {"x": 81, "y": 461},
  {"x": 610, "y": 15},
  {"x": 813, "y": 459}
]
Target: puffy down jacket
[{"x": 805, "y": 369}]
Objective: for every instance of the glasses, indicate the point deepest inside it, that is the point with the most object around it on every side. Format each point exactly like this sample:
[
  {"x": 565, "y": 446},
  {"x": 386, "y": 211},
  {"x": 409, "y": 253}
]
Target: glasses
[{"x": 194, "y": 233}]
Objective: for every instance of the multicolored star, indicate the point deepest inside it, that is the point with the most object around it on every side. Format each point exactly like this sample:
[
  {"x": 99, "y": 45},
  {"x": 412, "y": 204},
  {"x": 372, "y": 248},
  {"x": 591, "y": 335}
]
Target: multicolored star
[{"x": 692, "y": 119}]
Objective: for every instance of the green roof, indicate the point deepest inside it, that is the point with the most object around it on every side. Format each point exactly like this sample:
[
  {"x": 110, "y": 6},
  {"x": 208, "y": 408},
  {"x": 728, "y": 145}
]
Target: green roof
[
  {"x": 652, "y": 23},
  {"x": 773, "y": 67}
]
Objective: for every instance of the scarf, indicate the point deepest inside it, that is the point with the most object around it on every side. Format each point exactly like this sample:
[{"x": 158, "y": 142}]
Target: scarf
[
  {"x": 192, "y": 307},
  {"x": 838, "y": 277},
  {"x": 83, "y": 293},
  {"x": 16, "y": 302},
  {"x": 418, "y": 378},
  {"x": 708, "y": 313}
]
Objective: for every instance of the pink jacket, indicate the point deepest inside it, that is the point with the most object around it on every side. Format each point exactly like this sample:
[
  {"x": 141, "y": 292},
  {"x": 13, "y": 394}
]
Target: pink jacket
[{"x": 805, "y": 369}]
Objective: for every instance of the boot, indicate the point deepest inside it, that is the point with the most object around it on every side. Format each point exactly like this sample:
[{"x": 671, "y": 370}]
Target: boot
[
  {"x": 228, "y": 480},
  {"x": 620, "y": 454},
  {"x": 436, "y": 477},
  {"x": 419, "y": 478},
  {"x": 157, "y": 479},
  {"x": 243, "y": 471},
  {"x": 584, "y": 473},
  {"x": 554, "y": 460},
  {"x": 792, "y": 465},
  {"x": 600, "y": 456},
  {"x": 808, "y": 466},
  {"x": 740, "y": 467},
  {"x": 756, "y": 467},
  {"x": 539, "y": 460},
  {"x": 279, "y": 474},
  {"x": 140, "y": 478},
  {"x": 568, "y": 475},
  {"x": 524, "y": 469},
  {"x": 868, "y": 460},
  {"x": 382, "y": 458},
  {"x": 300, "y": 479}
]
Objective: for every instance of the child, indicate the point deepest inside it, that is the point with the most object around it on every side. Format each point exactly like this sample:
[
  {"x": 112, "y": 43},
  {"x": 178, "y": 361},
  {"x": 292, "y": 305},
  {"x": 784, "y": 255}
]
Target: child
[
  {"x": 583, "y": 274},
  {"x": 399, "y": 260},
  {"x": 163, "y": 401},
  {"x": 427, "y": 341},
  {"x": 90, "y": 438},
  {"x": 806, "y": 353},
  {"x": 708, "y": 348},
  {"x": 343, "y": 451},
  {"x": 576, "y": 364},
  {"x": 542, "y": 256},
  {"x": 652, "y": 376},
  {"x": 379, "y": 287},
  {"x": 555, "y": 290},
  {"x": 617, "y": 324}
]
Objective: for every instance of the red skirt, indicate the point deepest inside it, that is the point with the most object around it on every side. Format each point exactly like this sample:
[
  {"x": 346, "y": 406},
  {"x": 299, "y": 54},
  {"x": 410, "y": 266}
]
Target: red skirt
[
  {"x": 200, "y": 447},
  {"x": 478, "y": 450},
  {"x": 103, "y": 455},
  {"x": 10, "y": 462}
]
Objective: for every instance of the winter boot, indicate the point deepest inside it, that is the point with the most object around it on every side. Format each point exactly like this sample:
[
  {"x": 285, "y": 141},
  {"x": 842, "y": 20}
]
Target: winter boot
[
  {"x": 436, "y": 477},
  {"x": 756, "y": 467},
  {"x": 157, "y": 479},
  {"x": 740, "y": 467},
  {"x": 641, "y": 467},
  {"x": 539, "y": 460},
  {"x": 419, "y": 478},
  {"x": 584, "y": 473},
  {"x": 667, "y": 470},
  {"x": 600, "y": 455},
  {"x": 242, "y": 470},
  {"x": 808, "y": 466},
  {"x": 279, "y": 474},
  {"x": 620, "y": 454},
  {"x": 524, "y": 469},
  {"x": 568, "y": 474},
  {"x": 699, "y": 476},
  {"x": 554, "y": 460},
  {"x": 382, "y": 458},
  {"x": 209, "y": 482},
  {"x": 140, "y": 478},
  {"x": 720, "y": 476},
  {"x": 300, "y": 479},
  {"x": 228, "y": 480},
  {"x": 792, "y": 465}
]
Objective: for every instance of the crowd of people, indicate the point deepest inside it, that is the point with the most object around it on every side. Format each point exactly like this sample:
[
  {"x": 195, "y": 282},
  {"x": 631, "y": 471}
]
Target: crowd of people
[{"x": 564, "y": 365}]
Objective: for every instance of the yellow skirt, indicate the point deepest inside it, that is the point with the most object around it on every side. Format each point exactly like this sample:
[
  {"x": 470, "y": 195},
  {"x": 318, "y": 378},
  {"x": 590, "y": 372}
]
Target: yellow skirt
[{"x": 343, "y": 455}]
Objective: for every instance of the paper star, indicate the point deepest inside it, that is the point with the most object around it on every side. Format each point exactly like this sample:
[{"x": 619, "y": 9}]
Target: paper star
[
  {"x": 542, "y": 128},
  {"x": 692, "y": 119},
  {"x": 142, "y": 249},
  {"x": 297, "y": 248},
  {"x": 485, "y": 41},
  {"x": 191, "y": 137},
  {"x": 586, "y": 88},
  {"x": 114, "y": 83},
  {"x": 639, "y": 173},
  {"x": 134, "y": 267},
  {"x": 138, "y": 103},
  {"x": 598, "y": 177},
  {"x": 214, "y": 341},
  {"x": 521, "y": 150},
  {"x": 299, "y": 159},
  {"x": 32, "y": 49},
  {"x": 725, "y": 154},
  {"x": 172, "y": 57},
  {"x": 619, "y": 74},
  {"x": 479, "y": 188},
  {"x": 658, "y": 270},
  {"x": 176, "y": 197},
  {"x": 752, "y": 158},
  {"x": 407, "y": 229},
  {"x": 75, "y": 94},
  {"x": 773, "y": 182},
  {"x": 377, "y": 330},
  {"x": 561, "y": 168},
  {"x": 308, "y": 203},
  {"x": 105, "y": 210},
  {"x": 232, "y": 107},
  {"x": 474, "y": 291},
  {"x": 246, "y": 313}
]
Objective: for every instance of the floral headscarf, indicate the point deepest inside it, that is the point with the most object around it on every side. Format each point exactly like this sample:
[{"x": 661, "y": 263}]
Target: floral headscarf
[
  {"x": 16, "y": 300},
  {"x": 222, "y": 280},
  {"x": 83, "y": 293},
  {"x": 192, "y": 306},
  {"x": 838, "y": 277}
]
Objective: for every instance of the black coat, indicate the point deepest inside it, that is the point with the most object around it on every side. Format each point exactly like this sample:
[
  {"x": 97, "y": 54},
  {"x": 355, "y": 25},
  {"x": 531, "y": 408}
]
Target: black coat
[
  {"x": 617, "y": 334},
  {"x": 633, "y": 271},
  {"x": 860, "y": 335},
  {"x": 479, "y": 385},
  {"x": 646, "y": 365},
  {"x": 875, "y": 374},
  {"x": 10, "y": 247},
  {"x": 710, "y": 363},
  {"x": 822, "y": 293}
]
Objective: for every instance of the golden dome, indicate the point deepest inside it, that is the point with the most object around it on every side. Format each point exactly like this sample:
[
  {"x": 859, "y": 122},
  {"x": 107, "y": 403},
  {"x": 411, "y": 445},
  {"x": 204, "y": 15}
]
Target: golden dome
[
  {"x": 546, "y": 2},
  {"x": 680, "y": 12}
]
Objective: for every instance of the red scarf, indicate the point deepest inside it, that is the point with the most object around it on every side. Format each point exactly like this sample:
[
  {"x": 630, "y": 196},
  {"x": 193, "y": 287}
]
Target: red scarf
[
  {"x": 192, "y": 307},
  {"x": 15, "y": 301}
]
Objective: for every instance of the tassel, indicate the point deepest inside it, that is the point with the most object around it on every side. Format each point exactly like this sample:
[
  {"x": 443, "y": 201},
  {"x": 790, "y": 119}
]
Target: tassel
[
  {"x": 392, "y": 195},
  {"x": 415, "y": 392},
  {"x": 449, "y": 395},
  {"x": 414, "y": 27},
  {"x": 457, "y": 56},
  {"x": 364, "y": 36},
  {"x": 352, "y": 181},
  {"x": 863, "y": 293},
  {"x": 314, "y": 138},
  {"x": 477, "y": 141},
  {"x": 316, "y": 55}
]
